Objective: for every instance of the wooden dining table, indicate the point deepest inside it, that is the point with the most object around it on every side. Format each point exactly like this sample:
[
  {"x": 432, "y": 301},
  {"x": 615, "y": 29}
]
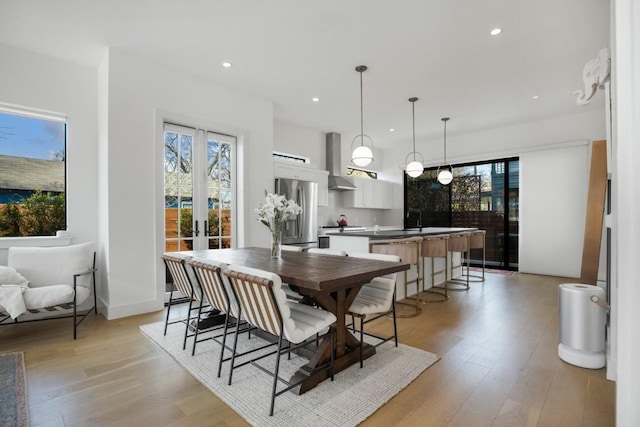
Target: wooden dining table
[{"x": 331, "y": 281}]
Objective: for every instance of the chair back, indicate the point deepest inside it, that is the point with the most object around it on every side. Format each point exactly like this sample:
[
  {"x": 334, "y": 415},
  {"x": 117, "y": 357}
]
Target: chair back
[
  {"x": 380, "y": 288},
  {"x": 53, "y": 265},
  {"x": 326, "y": 251},
  {"x": 459, "y": 242},
  {"x": 178, "y": 269},
  {"x": 434, "y": 246},
  {"x": 407, "y": 249},
  {"x": 215, "y": 286},
  {"x": 476, "y": 239},
  {"x": 260, "y": 296}
]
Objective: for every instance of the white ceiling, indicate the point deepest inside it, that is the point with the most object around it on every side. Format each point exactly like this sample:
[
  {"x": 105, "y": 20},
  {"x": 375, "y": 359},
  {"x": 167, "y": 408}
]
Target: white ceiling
[{"x": 289, "y": 51}]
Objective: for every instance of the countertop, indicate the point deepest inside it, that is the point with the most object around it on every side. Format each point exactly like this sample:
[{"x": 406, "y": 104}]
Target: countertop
[{"x": 400, "y": 234}]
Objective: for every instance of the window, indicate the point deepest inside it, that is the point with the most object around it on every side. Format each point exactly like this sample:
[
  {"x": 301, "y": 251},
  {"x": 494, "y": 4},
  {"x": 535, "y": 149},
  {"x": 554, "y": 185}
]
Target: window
[
  {"x": 482, "y": 194},
  {"x": 32, "y": 173}
]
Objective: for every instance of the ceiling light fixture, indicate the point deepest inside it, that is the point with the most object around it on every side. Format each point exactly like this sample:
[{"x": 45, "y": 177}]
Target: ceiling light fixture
[
  {"x": 362, "y": 155},
  {"x": 315, "y": 99},
  {"x": 226, "y": 64},
  {"x": 445, "y": 176},
  {"x": 392, "y": 130},
  {"x": 414, "y": 168},
  {"x": 535, "y": 97},
  {"x": 496, "y": 31}
]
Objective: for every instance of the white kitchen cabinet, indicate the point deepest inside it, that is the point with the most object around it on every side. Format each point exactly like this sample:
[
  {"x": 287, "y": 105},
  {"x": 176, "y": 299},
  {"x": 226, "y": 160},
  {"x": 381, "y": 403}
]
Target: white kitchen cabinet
[
  {"x": 371, "y": 194},
  {"x": 305, "y": 173}
]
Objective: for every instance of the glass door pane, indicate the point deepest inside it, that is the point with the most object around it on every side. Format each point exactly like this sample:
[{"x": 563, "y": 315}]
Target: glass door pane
[
  {"x": 219, "y": 191},
  {"x": 178, "y": 191}
]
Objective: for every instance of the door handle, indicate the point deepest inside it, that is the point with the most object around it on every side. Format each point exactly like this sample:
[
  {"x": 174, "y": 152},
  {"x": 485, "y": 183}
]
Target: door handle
[
  {"x": 206, "y": 228},
  {"x": 196, "y": 232}
]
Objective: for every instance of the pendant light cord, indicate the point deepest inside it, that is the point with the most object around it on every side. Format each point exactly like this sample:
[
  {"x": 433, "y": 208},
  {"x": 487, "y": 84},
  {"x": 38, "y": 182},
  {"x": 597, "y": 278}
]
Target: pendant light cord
[
  {"x": 361, "y": 113},
  {"x": 413, "y": 115},
  {"x": 445, "y": 120}
]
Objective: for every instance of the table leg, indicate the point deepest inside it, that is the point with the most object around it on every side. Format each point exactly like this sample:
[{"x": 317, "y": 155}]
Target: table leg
[{"x": 347, "y": 345}]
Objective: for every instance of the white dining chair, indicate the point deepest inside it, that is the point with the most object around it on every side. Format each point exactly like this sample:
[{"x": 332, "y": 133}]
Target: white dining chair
[
  {"x": 327, "y": 251},
  {"x": 375, "y": 300}
]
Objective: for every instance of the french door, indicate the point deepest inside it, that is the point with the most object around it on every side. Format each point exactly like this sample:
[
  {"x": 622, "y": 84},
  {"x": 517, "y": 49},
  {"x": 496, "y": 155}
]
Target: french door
[{"x": 199, "y": 188}]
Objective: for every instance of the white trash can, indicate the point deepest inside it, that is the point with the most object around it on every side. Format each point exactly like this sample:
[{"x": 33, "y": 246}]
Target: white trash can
[{"x": 582, "y": 325}]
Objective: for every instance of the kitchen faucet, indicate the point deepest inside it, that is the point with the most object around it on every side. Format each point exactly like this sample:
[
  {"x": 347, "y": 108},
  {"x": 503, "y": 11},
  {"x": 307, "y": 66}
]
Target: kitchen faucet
[{"x": 419, "y": 224}]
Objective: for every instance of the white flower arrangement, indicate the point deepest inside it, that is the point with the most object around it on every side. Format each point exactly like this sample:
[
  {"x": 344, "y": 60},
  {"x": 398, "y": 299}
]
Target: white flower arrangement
[{"x": 276, "y": 210}]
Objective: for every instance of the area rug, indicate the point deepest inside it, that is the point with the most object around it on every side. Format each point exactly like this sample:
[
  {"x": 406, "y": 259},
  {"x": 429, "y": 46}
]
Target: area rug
[
  {"x": 13, "y": 394},
  {"x": 352, "y": 397}
]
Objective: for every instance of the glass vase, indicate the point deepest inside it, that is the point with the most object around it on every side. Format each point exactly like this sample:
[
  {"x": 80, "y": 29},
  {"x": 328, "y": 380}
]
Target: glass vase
[{"x": 276, "y": 244}]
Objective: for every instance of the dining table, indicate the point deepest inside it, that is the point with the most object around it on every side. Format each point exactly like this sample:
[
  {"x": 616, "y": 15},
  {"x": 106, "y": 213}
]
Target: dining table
[{"x": 332, "y": 282}]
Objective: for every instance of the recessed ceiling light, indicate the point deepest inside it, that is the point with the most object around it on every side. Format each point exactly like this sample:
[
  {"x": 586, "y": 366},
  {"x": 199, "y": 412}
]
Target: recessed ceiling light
[
  {"x": 315, "y": 99},
  {"x": 227, "y": 64},
  {"x": 392, "y": 130},
  {"x": 535, "y": 97},
  {"x": 496, "y": 31}
]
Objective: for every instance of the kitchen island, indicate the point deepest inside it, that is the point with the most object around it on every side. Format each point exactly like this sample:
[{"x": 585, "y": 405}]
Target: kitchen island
[{"x": 358, "y": 241}]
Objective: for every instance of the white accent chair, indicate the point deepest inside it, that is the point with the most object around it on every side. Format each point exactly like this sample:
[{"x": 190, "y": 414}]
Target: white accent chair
[
  {"x": 375, "y": 299},
  {"x": 264, "y": 305},
  {"x": 61, "y": 279}
]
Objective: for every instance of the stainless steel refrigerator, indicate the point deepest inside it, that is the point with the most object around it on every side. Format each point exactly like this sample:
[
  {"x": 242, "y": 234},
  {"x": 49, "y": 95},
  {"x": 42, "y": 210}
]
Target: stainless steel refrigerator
[{"x": 301, "y": 230}]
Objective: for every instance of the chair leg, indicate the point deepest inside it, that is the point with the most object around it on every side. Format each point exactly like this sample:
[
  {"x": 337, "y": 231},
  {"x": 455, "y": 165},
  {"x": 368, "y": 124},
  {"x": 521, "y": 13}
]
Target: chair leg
[
  {"x": 195, "y": 336},
  {"x": 275, "y": 377},
  {"x": 186, "y": 328},
  {"x": 224, "y": 343},
  {"x": 395, "y": 326},
  {"x": 361, "y": 340},
  {"x": 333, "y": 360},
  {"x": 166, "y": 322},
  {"x": 235, "y": 344},
  {"x": 75, "y": 325}
]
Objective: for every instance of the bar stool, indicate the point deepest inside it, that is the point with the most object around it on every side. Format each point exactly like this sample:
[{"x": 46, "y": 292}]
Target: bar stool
[
  {"x": 476, "y": 241},
  {"x": 459, "y": 242},
  {"x": 408, "y": 249},
  {"x": 436, "y": 246}
]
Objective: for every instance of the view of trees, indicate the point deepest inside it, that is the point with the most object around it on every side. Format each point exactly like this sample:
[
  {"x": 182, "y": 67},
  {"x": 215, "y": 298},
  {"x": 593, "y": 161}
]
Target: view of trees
[{"x": 41, "y": 214}]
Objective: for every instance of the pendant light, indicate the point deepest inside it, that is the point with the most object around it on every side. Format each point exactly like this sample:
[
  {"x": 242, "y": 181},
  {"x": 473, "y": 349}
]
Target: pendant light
[
  {"x": 362, "y": 155},
  {"x": 414, "y": 168},
  {"x": 445, "y": 176}
]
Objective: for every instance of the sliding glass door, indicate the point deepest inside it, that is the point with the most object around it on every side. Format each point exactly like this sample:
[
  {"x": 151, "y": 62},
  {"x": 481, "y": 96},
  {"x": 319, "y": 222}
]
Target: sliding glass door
[{"x": 483, "y": 195}]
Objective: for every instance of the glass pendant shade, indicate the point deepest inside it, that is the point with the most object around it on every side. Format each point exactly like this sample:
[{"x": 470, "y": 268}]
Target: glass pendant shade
[
  {"x": 414, "y": 169},
  {"x": 362, "y": 155},
  {"x": 445, "y": 176}
]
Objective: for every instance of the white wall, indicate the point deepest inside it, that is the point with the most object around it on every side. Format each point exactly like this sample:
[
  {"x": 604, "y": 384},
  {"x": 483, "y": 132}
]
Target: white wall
[
  {"x": 43, "y": 83},
  {"x": 626, "y": 208},
  {"x": 40, "y": 82},
  {"x": 300, "y": 140},
  {"x": 553, "y": 210},
  {"x": 140, "y": 95}
]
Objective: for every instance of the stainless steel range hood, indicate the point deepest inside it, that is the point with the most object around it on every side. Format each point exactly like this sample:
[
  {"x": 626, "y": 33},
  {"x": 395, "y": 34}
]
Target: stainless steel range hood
[{"x": 334, "y": 164}]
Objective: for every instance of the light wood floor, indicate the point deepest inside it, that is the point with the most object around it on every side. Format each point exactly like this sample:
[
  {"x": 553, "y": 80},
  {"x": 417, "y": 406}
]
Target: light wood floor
[{"x": 499, "y": 367}]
